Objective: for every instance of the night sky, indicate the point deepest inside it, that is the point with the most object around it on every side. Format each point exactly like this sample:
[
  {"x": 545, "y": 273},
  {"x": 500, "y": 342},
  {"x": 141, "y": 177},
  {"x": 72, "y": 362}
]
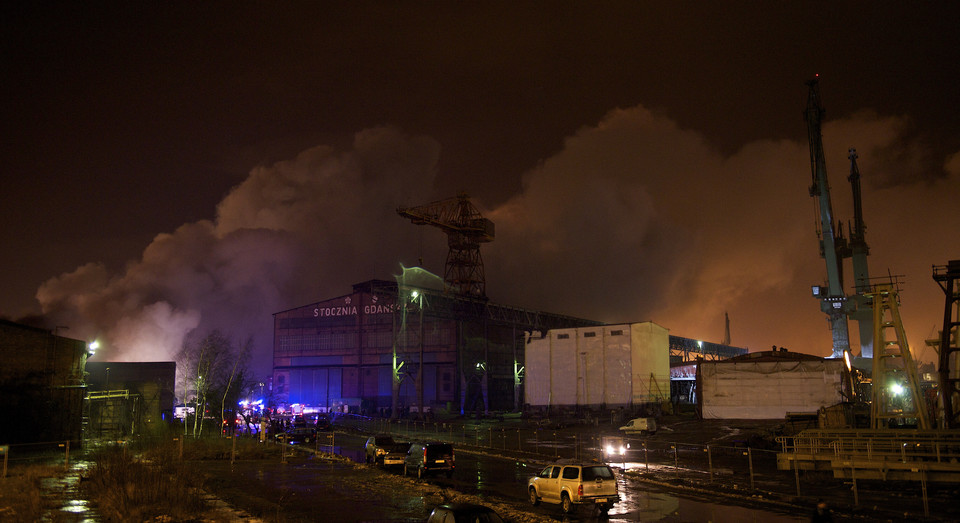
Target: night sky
[{"x": 175, "y": 167}]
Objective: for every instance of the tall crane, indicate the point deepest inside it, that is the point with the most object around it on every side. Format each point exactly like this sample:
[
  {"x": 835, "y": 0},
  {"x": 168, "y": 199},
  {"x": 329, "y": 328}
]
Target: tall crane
[
  {"x": 860, "y": 304},
  {"x": 466, "y": 229},
  {"x": 832, "y": 298}
]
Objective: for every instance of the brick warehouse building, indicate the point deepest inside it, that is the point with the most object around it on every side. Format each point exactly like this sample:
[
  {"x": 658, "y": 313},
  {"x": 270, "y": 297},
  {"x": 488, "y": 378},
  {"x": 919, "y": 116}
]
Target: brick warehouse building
[{"x": 340, "y": 352}]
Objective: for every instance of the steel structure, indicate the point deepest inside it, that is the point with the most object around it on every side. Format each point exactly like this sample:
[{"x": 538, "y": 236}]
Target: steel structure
[
  {"x": 948, "y": 277},
  {"x": 896, "y": 386},
  {"x": 466, "y": 229},
  {"x": 834, "y": 247}
]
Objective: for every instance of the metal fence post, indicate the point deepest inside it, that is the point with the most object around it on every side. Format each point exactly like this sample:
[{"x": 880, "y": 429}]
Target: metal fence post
[
  {"x": 710, "y": 462},
  {"x": 676, "y": 461},
  {"x": 750, "y": 458},
  {"x": 796, "y": 473},
  {"x": 646, "y": 457},
  {"x": 853, "y": 477}
]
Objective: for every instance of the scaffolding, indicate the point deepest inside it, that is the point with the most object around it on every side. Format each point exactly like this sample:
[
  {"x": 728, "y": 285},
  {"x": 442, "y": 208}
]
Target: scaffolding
[
  {"x": 947, "y": 276},
  {"x": 896, "y": 387}
]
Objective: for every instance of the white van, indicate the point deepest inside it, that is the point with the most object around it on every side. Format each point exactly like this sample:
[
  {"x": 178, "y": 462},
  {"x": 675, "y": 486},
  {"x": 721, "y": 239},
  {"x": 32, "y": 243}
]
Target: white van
[{"x": 641, "y": 426}]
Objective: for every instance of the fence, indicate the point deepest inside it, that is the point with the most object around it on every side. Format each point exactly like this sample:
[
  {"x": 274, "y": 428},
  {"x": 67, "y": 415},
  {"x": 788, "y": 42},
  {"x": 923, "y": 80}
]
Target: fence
[{"x": 752, "y": 471}]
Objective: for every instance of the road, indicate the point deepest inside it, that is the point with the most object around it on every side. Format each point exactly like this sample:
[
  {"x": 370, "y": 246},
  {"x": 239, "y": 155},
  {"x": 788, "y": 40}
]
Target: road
[{"x": 307, "y": 486}]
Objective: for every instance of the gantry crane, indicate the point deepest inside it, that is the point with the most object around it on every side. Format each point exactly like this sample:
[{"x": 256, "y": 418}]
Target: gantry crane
[
  {"x": 834, "y": 247},
  {"x": 948, "y": 349},
  {"x": 896, "y": 395},
  {"x": 466, "y": 229}
]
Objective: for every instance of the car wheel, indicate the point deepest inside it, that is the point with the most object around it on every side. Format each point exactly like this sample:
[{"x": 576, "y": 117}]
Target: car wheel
[
  {"x": 565, "y": 503},
  {"x": 534, "y": 500}
]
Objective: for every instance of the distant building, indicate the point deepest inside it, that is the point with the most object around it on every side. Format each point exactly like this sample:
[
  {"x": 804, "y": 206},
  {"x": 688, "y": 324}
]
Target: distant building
[
  {"x": 610, "y": 366},
  {"x": 768, "y": 385},
  {"x": 129, "y": 398},
  {"x": 42, "y": 385},
  {"x": 338, "y": 353}
]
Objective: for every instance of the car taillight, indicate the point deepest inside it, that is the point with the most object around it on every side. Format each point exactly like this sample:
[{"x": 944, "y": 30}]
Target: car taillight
[
  {"x": 580, "y": 490},
  {"x": 424, "y": 454}
]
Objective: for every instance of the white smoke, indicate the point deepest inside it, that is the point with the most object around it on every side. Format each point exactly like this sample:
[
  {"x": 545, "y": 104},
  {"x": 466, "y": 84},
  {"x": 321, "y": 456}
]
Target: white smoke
[
  {"x": 635, "y": 219},
  {"x": 293, "y": 232}
]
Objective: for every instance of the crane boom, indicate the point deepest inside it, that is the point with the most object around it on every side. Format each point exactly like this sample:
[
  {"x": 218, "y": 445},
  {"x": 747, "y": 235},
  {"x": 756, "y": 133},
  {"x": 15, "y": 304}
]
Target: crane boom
[
  {"x": 466, "y": 229},
  {"x": 832, "y": 297}
]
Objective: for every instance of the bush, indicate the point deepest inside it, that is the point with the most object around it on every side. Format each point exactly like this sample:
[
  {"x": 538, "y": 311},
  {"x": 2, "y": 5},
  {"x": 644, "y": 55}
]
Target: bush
[{"x": 125, "y": 489}]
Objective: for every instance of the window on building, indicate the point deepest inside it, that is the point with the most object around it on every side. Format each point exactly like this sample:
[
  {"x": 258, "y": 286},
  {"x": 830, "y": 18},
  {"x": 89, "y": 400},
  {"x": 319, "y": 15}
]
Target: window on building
[
  {"x": 563, "y": 336},
  {"x": 589, "y": 334}
]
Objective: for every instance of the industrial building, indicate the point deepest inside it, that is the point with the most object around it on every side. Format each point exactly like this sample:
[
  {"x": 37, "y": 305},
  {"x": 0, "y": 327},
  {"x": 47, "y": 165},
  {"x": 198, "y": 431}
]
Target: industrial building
[
  {"x": 41, "y": 383},
  {"x": 769, "y": 385},
  {"x": 442, "y": 350},
  {"x": 129, "y": 398},
  {"x": 606, "y": 366}
]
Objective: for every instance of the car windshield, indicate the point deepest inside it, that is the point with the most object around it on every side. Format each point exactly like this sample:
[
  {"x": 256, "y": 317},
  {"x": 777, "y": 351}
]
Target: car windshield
[
  {"x": 592, "y": 473},
  {"x": 384, "y": 441}
]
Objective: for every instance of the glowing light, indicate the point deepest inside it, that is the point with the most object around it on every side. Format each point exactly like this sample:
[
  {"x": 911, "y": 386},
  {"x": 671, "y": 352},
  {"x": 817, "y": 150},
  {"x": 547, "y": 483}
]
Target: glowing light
[
  {"x": 614, "y": 450},
  {"x": 92, "y": 347},
  {"x": 896, "y": 389}
]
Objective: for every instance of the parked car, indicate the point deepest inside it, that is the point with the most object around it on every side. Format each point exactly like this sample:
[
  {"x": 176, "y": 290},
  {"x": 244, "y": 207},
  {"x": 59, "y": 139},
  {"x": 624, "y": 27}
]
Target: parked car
[
  {"x": 376, "y": 447},
  {"x": 396, "y": 454},
  {"x": 572, "y": 484},
  {"x": 425, "y": 458},
  {"x": 298, "y": 435},
  {"x": 641, "y": 426},
  {"x": 463, "y": 512},
  {"x": 323, "y": 423}
]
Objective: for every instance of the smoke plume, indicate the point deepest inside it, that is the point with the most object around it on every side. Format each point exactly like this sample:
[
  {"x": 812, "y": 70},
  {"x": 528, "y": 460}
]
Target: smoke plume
[{"x": 635, "y": 219}]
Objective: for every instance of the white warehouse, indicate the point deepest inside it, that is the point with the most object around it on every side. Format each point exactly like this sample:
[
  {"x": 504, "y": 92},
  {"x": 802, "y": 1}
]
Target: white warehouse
[{"x": 598, "y": 367}]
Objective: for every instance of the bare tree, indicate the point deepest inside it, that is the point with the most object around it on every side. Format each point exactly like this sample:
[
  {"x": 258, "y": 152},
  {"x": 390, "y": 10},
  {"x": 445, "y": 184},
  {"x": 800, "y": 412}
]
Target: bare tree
[{"x": 214, "y": 371}]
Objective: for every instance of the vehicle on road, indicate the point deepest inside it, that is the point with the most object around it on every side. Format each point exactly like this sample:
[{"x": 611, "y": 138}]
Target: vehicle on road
[
  {"x": 396, "y": 454},
  {"x": 426, "y": 458},
  {"x": 572, "y": 484},
  {"x": 323, "y": 423},
  {"x": 642, "y": 426},
  {"x": 463, "y": 512},
  {"x": 377, "y": 447},
  {"x": 298, "y": 435}
]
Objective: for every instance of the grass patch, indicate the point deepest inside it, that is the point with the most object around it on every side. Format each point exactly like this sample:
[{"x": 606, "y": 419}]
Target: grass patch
[
  {"x": 128, "y": 489},
  {"x": 21, "y": 497}
]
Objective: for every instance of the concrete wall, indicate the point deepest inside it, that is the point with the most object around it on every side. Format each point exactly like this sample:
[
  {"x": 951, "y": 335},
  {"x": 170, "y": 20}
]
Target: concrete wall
[
  {"x": 608, "y": 366},
  {"x": 768, "y": 389}
]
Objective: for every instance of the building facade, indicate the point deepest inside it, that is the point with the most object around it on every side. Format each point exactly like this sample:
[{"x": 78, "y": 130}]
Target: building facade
[
  {"x": 42, "y": 384},
  {"x": 609, "y": 366},
  {"x": 447, "y": 352}
]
